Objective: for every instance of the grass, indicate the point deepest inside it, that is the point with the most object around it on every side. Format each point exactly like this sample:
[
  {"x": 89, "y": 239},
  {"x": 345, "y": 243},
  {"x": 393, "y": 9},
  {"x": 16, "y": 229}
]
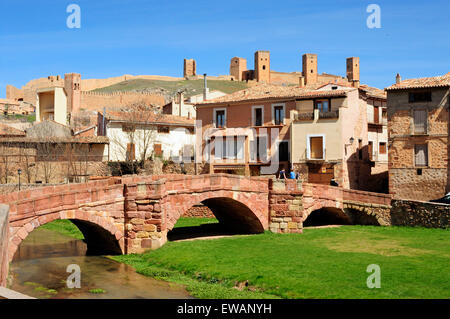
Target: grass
[
  {"x": 65, "y": 227},
  {"x": 194, "y": 222},
  {"x": 320, "y": 263},
  {"x": 192, "y": 87}
]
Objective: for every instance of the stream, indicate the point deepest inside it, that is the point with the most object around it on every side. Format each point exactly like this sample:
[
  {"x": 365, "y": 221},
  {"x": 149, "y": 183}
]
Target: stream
[{"x": 39, "y": 270}]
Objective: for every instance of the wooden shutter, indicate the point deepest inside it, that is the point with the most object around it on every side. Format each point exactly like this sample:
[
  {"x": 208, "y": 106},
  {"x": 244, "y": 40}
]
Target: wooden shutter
[
  {"x": 370, "y": 150},
  {"x": 420, "y": 121},
  {"x": 157, "y": 148},
  {"x": 421, "y": 154},
  {"x": 382, "y": 148},
  {"x": 316, "y": 147}
]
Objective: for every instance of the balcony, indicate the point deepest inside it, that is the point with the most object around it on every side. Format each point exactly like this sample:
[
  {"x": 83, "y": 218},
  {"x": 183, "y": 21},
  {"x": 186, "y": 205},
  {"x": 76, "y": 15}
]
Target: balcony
[
  {"x": 329, "y": 115},
  {"x": 305, "y": 116}
]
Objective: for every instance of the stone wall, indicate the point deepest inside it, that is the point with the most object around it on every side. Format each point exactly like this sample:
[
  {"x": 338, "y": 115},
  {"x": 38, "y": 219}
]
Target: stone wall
[
  {"x": 199, "y": 211},
  {"x": 97, "y": 101},
  {"x": 418, "y": 213},
  {"x": 406, "y": 180},
  {"x": 4, "y": 240},
  {"x": 285, "y": 206}
]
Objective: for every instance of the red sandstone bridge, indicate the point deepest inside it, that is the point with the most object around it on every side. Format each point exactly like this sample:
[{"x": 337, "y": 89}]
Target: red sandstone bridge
[{"x": 133, "y": 214}]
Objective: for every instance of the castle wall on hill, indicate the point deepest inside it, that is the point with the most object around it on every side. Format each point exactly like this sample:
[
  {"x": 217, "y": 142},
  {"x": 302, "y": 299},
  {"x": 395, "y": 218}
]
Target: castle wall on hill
[{"x": 97, "y": 101}]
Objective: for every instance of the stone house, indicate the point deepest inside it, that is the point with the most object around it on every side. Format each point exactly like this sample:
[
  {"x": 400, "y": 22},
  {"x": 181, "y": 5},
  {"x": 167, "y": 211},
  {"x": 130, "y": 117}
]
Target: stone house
[
  {"x": 418, "y": 128},
  {"x": 247, "y": 131}
]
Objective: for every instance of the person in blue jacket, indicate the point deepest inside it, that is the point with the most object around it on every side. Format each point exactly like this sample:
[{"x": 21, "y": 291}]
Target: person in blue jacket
[{"x": 292, "y": 174}]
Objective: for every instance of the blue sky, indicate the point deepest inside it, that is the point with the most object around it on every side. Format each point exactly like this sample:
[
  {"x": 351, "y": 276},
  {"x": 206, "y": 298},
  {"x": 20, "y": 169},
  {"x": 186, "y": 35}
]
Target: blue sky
[{"x": 153, "y": 37}]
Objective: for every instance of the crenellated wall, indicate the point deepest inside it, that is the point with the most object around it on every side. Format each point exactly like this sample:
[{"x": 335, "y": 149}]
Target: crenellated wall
[{"x": 97, "y": 101}]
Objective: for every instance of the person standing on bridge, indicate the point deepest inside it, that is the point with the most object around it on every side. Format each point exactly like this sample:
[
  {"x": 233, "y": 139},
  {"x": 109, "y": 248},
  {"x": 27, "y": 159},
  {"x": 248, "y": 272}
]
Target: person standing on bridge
[
  {"x": 292, "y": 174},
  {"x": 282, "y": 174}
]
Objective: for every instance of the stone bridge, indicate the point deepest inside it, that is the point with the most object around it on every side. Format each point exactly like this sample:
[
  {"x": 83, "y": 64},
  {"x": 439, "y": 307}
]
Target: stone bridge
[{"x": 133, "y": 214}]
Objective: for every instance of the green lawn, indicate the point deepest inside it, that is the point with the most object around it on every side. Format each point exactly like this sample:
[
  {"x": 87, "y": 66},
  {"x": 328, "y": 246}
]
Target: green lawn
[
  {"x": 65, "y": 227},
  {"x": 320, "y": 263},
  {"x": 192, "y": 222}
]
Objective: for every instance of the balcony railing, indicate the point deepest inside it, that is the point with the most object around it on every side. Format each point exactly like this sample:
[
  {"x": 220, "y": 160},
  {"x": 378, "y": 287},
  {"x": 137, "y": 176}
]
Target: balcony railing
[
  {"x": 329, "y": 115},
  {"x": 306, "y": 116}
]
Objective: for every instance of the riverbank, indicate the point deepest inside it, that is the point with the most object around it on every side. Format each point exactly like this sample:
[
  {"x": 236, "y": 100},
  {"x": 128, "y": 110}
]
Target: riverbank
[{"x": 320, "y": 263}]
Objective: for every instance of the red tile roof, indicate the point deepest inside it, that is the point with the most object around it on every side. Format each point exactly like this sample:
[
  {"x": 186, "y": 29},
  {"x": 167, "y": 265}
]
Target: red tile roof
[
  {"x": 271, "y": 91},
  {"x": 9, "y": 131},
  {"x": 373, "y": 92},
  {"x": 434, "y": 81},
  {"x": 149, "y": 118}
]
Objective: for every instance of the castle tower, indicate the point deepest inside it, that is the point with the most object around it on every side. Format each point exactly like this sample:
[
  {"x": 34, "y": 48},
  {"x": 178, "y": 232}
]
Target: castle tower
[
  {"x": 72, "y": 85},
  {"x": 353, "y": 70},
  {"x": 309, "y": 62},
  {"x": 262, "y": 66},
  {"x": 237, "y": 68},
  {"x": 190, "y": 68}
]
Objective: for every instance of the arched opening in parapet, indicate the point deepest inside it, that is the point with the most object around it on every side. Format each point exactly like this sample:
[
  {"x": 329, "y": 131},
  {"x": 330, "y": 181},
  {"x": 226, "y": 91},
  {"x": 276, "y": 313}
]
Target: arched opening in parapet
[
  {"x": 327, "y": 216},
  {"x": 67, "y": 237},
  {"x": 215, "y": 217}
]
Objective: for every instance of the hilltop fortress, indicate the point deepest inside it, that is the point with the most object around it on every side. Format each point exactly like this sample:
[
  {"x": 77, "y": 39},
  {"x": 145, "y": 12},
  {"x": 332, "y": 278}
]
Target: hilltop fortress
[{"x": 80, "y": 96}]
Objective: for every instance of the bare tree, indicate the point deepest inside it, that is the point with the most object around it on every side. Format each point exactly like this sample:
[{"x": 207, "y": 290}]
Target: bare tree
[{"x": 140, "y": 130}]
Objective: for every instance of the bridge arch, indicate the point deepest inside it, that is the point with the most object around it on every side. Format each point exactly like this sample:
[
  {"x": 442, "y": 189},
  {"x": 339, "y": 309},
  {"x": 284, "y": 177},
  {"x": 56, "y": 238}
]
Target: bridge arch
[
  {"x": 101, "y": 235},
  {"x": 237, "y": 211},
  {"x": 327, "y": 216}
]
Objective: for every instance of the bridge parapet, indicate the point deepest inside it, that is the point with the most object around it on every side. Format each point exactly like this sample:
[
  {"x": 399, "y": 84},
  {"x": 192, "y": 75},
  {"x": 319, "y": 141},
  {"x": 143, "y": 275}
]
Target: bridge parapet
[{"x": 286, "y": 206}]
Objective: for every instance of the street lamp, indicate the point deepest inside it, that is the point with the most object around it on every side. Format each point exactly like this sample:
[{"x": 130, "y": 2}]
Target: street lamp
[
  {"x": 182, "y": 167},
  {"x": 19, "y": 171}
]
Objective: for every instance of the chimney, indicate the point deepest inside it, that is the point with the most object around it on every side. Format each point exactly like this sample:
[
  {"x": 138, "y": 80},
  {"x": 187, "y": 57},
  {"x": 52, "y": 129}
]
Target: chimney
[
  {"x": 205, "y": 88},
  {"x": 301, "y": 81},
  {"x": 180, "y": 103},
  {"x": 398, "y": 79}
]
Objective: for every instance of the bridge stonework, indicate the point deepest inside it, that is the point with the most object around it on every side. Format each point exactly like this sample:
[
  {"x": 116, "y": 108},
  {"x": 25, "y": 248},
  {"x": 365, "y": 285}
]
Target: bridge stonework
[{"x": 133, "y": 214}]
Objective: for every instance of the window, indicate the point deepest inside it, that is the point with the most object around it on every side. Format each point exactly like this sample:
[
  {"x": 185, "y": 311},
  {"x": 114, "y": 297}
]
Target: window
[
  {"x": 220, "y": 147},
  {"x": 419, "y": 97},
  {"x": 421, "y": 154},
  {"x": 316, "y": 149},
  {"x": 420, "y": 121},
  {"x": 258, "y": 116},
  {"x": 278, "y": 115},
  {"x": 258, "y": 149},
  {"x": 382, "y": 147},
  {"x": 322, "y": 105},
  {"x": 128, "y": 128},
  {"x": 157, "y": 149},
  {"x": 163, "y": 129},
  {"x": 370, "y": 150},
  {"x": 376, "y": 114},
  {"x": 283, "y": 151},
  {"x": 220, "y": 118}
]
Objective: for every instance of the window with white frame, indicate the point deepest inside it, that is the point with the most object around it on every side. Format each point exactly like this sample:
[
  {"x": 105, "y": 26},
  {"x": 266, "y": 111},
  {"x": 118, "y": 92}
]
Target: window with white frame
[
  {"x": 278, "y": 114},
  {"x": 316, "y": 147}
]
